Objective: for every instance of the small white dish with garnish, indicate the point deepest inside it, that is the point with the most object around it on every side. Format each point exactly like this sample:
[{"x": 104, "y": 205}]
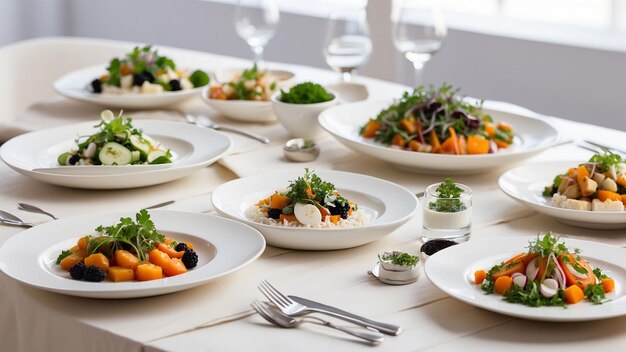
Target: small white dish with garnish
[{"x": 370, "y": 208}]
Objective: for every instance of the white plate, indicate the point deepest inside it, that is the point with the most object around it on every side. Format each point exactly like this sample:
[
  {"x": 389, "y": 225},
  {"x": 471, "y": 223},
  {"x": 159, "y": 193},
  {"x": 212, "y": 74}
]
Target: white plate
[
  {"x": 194, "y": 148},
  {"x": 245, "y": 110},
  {"x": 74, "y": 86},
  {"x": 452, "y": 270},
  {"x": 344, "y": 122},
  {"x": 223, "y": 246},
  {"x": 388, "y": 205},
  {"x": 526, "y": 183}
]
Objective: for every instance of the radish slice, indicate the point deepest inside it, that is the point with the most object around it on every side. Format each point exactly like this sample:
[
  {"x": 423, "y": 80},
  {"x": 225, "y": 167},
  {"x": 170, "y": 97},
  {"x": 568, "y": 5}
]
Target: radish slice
[
  {"x": 532, "y": 270},
  {"x": 559, "y": 275},
  {"x": 519, "y": 279},
  {"x": 549, "y": 287}
]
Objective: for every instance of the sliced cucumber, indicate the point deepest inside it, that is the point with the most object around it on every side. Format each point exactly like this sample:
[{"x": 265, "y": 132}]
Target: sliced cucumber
[
  {"x": 115, "y": 154},
  {"x": 158, "y": 154},
  {"x": 136, "y": 156},
  {"x": 64, "y": 158},
  {"x": 143, "y": 145}
]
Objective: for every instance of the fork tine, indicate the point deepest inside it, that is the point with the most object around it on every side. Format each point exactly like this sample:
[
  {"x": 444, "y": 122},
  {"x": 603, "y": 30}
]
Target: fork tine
[
  {"x": 287, "y": 299},
  {"x": 262, "y": 313},
  {"x": 272, "y": 296}
]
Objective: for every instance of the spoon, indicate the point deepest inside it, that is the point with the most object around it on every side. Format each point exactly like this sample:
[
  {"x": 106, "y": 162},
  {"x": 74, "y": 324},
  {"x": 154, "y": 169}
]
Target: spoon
[
  {"x": 10, "y": 219},
  {"x": 34, "y": 209}
]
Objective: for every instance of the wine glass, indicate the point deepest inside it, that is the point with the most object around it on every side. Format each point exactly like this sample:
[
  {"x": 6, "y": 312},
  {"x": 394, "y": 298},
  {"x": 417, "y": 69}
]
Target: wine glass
[
  {"x": 255, "y": 22},
  {"x": 347, "y": 45},
  {"x": 418, "y": 32}
]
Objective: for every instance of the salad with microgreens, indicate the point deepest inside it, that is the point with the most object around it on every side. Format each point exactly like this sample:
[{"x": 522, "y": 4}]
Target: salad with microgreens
[
  {"x": 430, "y": 120},
  {"x": 308, "y": 201},
  {"x": 399, "y": 258},
  {"x": 597, "y": 185},
  {"x": 144, "y": 71},
  {"x": 448, "y": 198},
  {"x": 547, "y": 274},
  {"x": 305, "y": 93},
  {"x": 117, "y": 142},
  {"x": 252, "y": 84},
  {"x": 132, "y": 249}
]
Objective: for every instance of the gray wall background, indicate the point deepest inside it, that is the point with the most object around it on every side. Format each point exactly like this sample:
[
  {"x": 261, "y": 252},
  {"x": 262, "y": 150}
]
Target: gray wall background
[{"x": 576, "y": 83}]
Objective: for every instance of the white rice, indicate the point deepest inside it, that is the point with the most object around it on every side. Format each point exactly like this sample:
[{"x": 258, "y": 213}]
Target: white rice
[{"x": 356, "y": 219}]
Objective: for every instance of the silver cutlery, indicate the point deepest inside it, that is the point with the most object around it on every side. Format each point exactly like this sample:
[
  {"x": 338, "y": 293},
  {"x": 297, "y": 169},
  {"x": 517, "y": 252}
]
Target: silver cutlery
[
  {"x": 9, "y": 216},
  {"x": 605, "y": 147},
  {"x": 205, "y": 121},
  {"x": 34, "y": 209},
  {"x": 274, "y": 316},
  {"x": 160, "y": 205},
  {"x": 292, "y": 305},
  {"x": 10, "y": 219}
]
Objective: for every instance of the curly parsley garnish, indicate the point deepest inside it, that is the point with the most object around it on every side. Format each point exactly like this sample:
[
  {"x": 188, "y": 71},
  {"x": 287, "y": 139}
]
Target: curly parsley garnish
[
  {"x": 399, "y": 258},
  {"x": 530, "y": 295},
  {"x": 305, "y": 93},
  {"x": 448, "y": 193},
  {"x": 313, "y": 190},
  {"x": 606, "y": 160},
  {"x": 63, "y": 255}
]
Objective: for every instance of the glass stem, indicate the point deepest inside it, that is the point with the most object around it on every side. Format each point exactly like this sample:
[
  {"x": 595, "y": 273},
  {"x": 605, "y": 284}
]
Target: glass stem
[
  {"x": 346, "y": 76},
  {"x": 258, "y": 54},
  {"x": 419, "y": 73}
]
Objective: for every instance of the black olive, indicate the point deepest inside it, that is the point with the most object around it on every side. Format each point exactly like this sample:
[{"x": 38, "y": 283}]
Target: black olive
[
  {"x": 274, "y": 213},
  {"x": 73, "y": 159},
  {"x": 96, "y": 86},
  {"x": 175, "y": 85},
  {"x": 149, "y": 76},
  {"x": 138, "y": 79}
]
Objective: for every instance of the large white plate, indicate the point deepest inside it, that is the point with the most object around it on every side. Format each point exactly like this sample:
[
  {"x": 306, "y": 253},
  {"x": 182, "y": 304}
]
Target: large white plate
[
  {"x": 532, "y": 135},
  {"x": 74, "y": 86},
  {"x": 223, "y": 246},
  {"x": 526, "y": 183},
  {"x": 453, "y": 268},
  {"x": 194, "y": 147},
  {"x": 388, "y": 205}
]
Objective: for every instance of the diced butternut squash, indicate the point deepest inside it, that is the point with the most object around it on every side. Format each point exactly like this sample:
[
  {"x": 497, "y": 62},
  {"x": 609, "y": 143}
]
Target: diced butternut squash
[
  {"x": 82, "y": 242},
  {"x": 335, "y": 218},
  {"x": 176, "y": 268},
  {"x": 265, "y": 201},
  {"x": 434, "y": 141},
  {"x": 604, "y": 195},
  {"x": 462, "y": 145},
  {"x": 479, "y": 277},
  {"x": 623, "y": 197},
  {"x": 414, "y": 146},
  {"x": 288, "y": 217},
  {"x": 448, "y": 146},
  {"x": 74, "y": 249},
  {"x": 159, "y": 258},
  {"x": 370, "y": 129},
  {"x": 148, "y": 271},
  {"x": 503, "y": 284},
  {"x": 409, "y": 125},
  {"x": 126, "y": 259},
  {"x": 99, "y": 260},
  {"x": 501, "y": 144},
  {"x": 573, "y": 294},
  {"x": 582, "y": 172},
  {"x": 68, "y": 262},
  {"x": 398, "y": 140},
  {"x": 278, "y": 201},
  {"x": 503, "y": 126},
  {"x": 621, "y": 180},
  {"x": 119, "y": 273},
  {"x": 171, "y": 252},
  {"x": 477, "y": 145},
  {"x": 608, "y": 284},
  {"x": 490, "y": 129}
]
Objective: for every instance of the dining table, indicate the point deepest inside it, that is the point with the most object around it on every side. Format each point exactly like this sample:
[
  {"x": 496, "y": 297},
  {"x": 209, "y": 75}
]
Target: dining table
[{"x": 217, "y": 316}]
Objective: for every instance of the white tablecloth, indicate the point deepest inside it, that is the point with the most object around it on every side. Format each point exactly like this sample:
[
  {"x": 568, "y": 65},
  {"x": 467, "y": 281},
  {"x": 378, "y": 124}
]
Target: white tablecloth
[{"x": 217, "y": 317}]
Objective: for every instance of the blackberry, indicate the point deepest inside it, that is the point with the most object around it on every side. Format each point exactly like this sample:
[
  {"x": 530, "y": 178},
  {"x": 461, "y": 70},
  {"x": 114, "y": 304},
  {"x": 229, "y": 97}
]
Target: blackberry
[
  {"x": 149, "y": 76},
  {"x": 433, "y": 246},
  {"x": 274, "y": 213},
  {"x": 96, "y": 86},
  {"x": 94, "y": 274},
  {"x": 138, "y": 79},
  {"x": 181, "y": 247},
  {"x": 73, "y": 159},
  {"x": 339, "y": 209},
  {"x": 175, "y": 85},
  {"x": 77, "y": 271},
  {"x": 190, "y": 259}
]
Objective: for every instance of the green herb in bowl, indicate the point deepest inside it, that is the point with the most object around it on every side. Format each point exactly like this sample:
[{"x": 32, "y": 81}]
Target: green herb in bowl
[
  {"x": 306, "y": 93},
  {"x": 448, "y": 198}
]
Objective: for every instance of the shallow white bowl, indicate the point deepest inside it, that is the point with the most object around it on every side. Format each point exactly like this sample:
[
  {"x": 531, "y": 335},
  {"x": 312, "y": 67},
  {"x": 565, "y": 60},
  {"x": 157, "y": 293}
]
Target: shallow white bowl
[
  {"x": 532, "y": 135},
  {"x": 388, "y": 205},
  {"x": 74, "y": 86},
  {"x": 223, "y": 246},
  {"x": 245, "y": 110},
  {"x": 300, "y": 120},
  {"x": 526, "y": 183},
  {"x": 194, "y": 147},
  {"x": 452, "y": 270}
]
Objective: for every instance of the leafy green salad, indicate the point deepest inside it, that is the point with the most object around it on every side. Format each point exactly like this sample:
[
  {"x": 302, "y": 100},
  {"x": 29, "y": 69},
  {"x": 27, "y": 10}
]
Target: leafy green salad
[
  {"x": 306, "y": 93},
  {"x": 117, "y": 142}
]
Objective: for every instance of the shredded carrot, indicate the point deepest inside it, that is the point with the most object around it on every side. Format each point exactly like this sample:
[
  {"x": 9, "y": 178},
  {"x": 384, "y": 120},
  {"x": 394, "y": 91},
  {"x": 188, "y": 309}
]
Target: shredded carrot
[{"x": 457, "y": 148}]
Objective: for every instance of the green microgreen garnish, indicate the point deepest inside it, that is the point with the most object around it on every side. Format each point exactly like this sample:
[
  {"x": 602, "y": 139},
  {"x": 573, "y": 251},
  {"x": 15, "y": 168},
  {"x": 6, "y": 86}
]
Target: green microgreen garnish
[
  {"x": 399, "y": 258},
  {"x": 595, "y": 293},
  {"x": 305, "y": 93},
  {"x": 300, "y": 191},
  {"x": 448, "y": 194},
  {"x": 599, "y": 274},
  {"x": 606, "y": 160},
  {"x": 530, "y": 295}
]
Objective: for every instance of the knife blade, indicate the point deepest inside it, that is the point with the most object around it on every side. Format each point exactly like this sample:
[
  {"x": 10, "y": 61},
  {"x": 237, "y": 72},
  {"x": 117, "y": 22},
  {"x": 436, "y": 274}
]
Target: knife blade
[{"x": 389, "y": 329}]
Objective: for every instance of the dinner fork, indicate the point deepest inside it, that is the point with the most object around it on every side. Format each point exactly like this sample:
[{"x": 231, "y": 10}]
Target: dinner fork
[
  {"x": 205, "y": 121},
  {"x": 274, "y": 316},
  {"x": 291, "y": 308},
  {"x": 34, "y": 209},
  {"x": 10, "y": 219}
]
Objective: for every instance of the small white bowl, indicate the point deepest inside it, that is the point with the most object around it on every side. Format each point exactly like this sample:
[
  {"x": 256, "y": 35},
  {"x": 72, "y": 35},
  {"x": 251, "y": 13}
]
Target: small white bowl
[{"x": 300, "y": 120}]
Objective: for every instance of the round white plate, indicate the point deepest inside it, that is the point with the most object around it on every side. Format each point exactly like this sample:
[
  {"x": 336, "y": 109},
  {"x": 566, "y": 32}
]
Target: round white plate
[
  {"x": 526, "y": 183},
  {"x": 452, "y": 270},
  {"x": 532, "y": 135},
  {"x": 223, "y": 246},
  {"x": 387, "y": 204},
  {"x": 75, "y": 85},
  {"x": 194, "y": 148},
  {"x": 246, "y": 110}
]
